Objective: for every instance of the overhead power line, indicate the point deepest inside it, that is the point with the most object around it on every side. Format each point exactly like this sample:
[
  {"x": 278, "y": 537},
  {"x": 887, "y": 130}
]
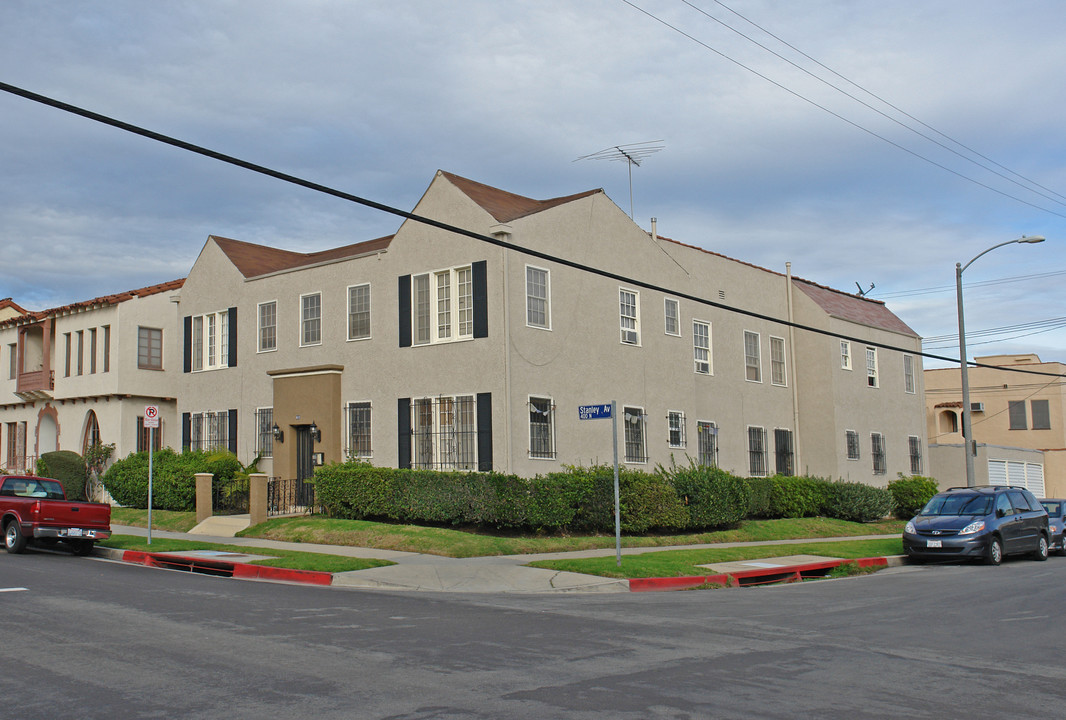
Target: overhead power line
[
  {"x": 857, "y": 126},
  {"x": 488, "y": 239}
]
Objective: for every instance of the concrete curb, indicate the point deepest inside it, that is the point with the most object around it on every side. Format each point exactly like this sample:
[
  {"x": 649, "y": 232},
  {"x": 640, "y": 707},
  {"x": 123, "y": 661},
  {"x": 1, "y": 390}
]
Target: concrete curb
[
  {"x": 761, "y": 576},
  {"x": 220, "y": 568}
]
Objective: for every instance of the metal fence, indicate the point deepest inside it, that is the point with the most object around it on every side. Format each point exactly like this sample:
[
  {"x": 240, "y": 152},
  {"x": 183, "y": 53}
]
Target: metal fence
[
  {"x": 230, "y": 497},
  {"x": 290, "y": 497}
]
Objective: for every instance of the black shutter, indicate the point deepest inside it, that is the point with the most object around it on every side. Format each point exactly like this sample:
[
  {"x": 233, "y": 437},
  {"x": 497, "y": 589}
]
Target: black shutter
[
  {"x": 404, "y": 305},
  {"x": 187, "y": 349},
  {"x": 484, "y": 432},
  {"x": 480, "y": 289},
  {"x": 403, "y": 432},
  {"x": 186, "y": 430},
  {"x": 233, "y": 431},
  {"x": 233, "y": 337}
]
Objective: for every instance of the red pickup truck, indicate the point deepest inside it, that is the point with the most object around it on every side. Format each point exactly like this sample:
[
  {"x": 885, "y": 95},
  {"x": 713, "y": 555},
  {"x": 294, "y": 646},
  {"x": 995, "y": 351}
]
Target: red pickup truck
[{"x": 36, "y": 509}]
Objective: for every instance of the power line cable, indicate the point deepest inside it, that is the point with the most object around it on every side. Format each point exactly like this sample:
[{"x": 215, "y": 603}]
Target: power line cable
[
  {"x": 886, "y": 102},
  {"x": 840, "y": 117},
  {"x": 497, "y": 242},
  {"x": 978, "y": 284}
]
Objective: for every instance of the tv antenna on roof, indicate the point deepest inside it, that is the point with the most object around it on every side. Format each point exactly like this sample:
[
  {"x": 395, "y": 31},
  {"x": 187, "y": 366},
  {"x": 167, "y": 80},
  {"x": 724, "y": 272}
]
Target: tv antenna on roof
[{"x": 632, "y": 154}]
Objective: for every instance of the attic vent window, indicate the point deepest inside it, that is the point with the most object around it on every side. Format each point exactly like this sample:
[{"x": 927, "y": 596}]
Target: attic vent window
[{"x": 721, "y": 294}]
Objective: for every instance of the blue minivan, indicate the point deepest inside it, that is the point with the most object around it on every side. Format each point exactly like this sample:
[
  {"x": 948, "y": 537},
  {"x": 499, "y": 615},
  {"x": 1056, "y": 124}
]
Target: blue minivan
[{"x": 986, "y": 522}]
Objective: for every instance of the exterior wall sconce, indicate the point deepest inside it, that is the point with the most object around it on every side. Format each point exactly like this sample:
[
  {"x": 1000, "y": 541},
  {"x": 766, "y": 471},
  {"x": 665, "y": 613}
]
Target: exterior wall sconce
[
  {"x": 279, "y": 435},
  {"x": 316, "y": 433}
]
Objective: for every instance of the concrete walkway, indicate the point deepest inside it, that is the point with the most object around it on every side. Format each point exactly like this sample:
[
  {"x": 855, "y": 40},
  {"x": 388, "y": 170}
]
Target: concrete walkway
[{"x": 494, "y": 574}]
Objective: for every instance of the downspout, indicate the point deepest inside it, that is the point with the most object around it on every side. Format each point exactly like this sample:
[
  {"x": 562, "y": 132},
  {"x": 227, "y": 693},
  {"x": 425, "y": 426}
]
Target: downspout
[
  {"x": 503, "y": 232},
  {"x": 792, "y": 362}
]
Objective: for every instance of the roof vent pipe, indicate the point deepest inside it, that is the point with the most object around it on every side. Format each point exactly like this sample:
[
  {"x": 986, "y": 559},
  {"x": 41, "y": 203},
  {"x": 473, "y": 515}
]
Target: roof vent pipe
[{"x": 654, "y": 232}]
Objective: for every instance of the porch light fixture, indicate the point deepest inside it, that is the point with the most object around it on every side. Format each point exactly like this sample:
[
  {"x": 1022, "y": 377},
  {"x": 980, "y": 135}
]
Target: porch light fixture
[
  {"x": 279, "y": 436},
  {"x": 969, "y": 443},
  {"x": 316, "y": 433}
]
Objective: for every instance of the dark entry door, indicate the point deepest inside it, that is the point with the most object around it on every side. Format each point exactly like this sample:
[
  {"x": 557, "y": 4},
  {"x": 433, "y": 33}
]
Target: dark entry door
[{"x": 304, "y": 466}]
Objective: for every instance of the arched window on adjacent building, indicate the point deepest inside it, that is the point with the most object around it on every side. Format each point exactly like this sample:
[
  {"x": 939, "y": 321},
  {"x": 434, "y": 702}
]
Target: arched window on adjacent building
[
  {"x": 92, "y": 432},
  {"x": 949, "y": 422}
]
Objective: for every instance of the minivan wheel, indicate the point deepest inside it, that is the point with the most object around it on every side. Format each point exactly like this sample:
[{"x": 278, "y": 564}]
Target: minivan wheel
[
  {"x": 1041, "y": 549},
  {"x": 994, "y": 554}
]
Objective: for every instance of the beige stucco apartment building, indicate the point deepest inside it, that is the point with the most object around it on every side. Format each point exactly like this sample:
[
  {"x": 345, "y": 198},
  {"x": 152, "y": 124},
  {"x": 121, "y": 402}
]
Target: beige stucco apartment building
[
  {"x": 84, "y": 373},
  {"x": 1018, "y": 420},
  {"x": 430, "y": 348}
]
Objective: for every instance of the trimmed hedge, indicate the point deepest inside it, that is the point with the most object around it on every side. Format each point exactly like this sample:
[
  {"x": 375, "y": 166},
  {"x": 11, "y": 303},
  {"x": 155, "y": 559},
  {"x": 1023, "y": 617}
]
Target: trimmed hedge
[
  {"x": 857, "y": 502},
  {"x": 173, "y": 477},
  {"x": 911, "y": 494},
  {"x": 68, "y": 468}
]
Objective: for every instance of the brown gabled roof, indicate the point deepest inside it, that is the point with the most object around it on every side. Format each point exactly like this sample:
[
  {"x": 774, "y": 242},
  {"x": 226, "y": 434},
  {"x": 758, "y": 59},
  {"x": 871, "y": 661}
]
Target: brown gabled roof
[
  {"x": 101, "y": 301},
  {"x": 255, "y": 260},
  {"x": 853, "y": 308},
  {"x": 505, "y": 206},
  {"x": 10, "y": 304}
]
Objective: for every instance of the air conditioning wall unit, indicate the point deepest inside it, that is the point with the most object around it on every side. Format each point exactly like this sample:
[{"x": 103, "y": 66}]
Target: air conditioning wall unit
[
  {"x": 977, "y": 407},
  {"x": 630, "y": 337}
]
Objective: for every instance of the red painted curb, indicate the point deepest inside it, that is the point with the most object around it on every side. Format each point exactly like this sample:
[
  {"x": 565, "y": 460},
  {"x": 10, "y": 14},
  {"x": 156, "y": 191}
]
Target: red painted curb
[
  {"x": 758, "y": 576},
  {"x": 241, "y": 571}
]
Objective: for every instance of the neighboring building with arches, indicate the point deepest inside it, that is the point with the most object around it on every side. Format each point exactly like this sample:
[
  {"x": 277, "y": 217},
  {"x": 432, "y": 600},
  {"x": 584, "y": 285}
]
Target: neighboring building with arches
[{"x": 83, "y": 373}]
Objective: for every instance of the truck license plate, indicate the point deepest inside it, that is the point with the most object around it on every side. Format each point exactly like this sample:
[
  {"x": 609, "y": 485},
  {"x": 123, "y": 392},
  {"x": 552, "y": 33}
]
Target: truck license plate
[
  {"x": 74, "y": 532},
  {"x": 934, "y": 544}
]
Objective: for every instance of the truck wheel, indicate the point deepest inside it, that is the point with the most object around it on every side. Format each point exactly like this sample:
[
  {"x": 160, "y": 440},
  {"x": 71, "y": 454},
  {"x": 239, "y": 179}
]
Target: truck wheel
[
  {"x": 82, "y": 547},
  {"x": 14, "y": 541}
]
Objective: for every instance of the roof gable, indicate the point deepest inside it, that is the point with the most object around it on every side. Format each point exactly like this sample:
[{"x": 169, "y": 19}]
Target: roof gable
[
  {"x": 853, "y": 308},
  {"x": 255, "y": 260},
  {"x": 505, "y": 206}
]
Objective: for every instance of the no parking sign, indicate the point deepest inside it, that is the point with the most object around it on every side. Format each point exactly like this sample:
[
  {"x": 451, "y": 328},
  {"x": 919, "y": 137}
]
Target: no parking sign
[{"x": 151, "y": 416}]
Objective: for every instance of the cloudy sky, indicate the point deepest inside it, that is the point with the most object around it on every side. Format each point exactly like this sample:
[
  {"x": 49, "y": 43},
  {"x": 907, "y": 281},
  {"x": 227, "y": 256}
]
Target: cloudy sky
[{"x": 944, "y": 138}]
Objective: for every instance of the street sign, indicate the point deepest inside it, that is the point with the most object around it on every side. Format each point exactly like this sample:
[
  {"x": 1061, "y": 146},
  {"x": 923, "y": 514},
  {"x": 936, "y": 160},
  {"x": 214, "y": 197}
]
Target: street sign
[
  {"x": 594, "y": 412},
  {"x": 151, "y": 416}
]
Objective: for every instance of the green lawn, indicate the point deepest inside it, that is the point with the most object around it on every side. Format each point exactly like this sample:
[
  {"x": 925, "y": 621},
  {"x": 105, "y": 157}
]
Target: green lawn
[
  {"x": 451, "y": 542},
  {"x": 161, "y": 519},
  {"x": 684, "y": 563},
  {"x": 280, "y": 558}
]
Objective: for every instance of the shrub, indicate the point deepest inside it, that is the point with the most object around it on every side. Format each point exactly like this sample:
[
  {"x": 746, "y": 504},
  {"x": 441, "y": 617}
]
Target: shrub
[
  {"x": 857, "y": 502},
  {"x": 173, "y": 477},
  {"x": 911, "y": 494},
  {"x": 714, "y": 497},
  {"x": 790, "y": 496},
  {"x": 68, "y": 468}
]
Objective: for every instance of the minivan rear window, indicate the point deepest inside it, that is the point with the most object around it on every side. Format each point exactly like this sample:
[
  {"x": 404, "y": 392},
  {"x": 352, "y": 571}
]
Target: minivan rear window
[{"x": 959, "y": 504}]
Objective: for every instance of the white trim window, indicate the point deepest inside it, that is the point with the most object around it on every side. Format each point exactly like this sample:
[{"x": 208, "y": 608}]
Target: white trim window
[
  {"x": 871, "y": 367},
  {"x": 757, "y": 463},
  {"x": 778, "y": 374},
  {"x": 851, "y": 442},
  {"x": 636, "y": 439},
  {"x": 444, "y": 433},
  {"x": 268, "y": 326},
  {"x": 264, "y": 432},
  {"x": 707, "y": 443},
  {"x": 877, "y": 449},
  {"x": 310, "y": 319},
  {"x": 210, "y": 341},
  {"x": 908, "y": 374},
  {"x": 443, "y": 305},
  {"x": 149, "y": 348},
  {"x": 629, "y": 316},
  {"x": 752, "y": 358},
  {"x": 541, "y": 428},
  {"x": 538, "y": 298},
  {"x": 359, "y": 430},
  {"x": 359, "y": 312},
  {"x": 675, "y": 422},
  {"x": 209, "y": 430},
  {"x": 672, "y": 317},
  {"x": 701, "y": 347},
  {"x": 845, "y": 355}
]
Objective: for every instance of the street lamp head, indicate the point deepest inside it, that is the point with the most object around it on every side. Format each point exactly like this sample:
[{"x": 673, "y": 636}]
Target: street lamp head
[{"x": 1031, "y": 239}]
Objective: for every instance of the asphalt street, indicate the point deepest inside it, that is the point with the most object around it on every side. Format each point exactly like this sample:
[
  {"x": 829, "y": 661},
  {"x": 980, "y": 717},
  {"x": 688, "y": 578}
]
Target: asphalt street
[{"x": 89, "y": 638}]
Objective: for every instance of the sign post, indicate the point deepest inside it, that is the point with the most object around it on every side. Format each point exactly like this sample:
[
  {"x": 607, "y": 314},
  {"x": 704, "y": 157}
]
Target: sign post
[
  {"x": 151, "y": 421},
  {"x": 602, "y": 412}
]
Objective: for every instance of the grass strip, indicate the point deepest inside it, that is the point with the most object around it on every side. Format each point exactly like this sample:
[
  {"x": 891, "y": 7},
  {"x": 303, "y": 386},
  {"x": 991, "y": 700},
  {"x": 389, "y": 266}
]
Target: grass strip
[
  {"x": 685, "y": 563},
  {"x": 172, "y": 520},
  {"x": 289, "y": 559}
]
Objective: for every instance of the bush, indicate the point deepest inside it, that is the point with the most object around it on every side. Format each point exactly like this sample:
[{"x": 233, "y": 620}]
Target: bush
[
  {"x": 68, "y": 468},
  {"x": 173, "y": 477},
  {"x": 911, "y": 494},
  {"x": 857, "y": 502},
  {"x": 786, "y": 496},
  {"x": 714, "y": 498}
]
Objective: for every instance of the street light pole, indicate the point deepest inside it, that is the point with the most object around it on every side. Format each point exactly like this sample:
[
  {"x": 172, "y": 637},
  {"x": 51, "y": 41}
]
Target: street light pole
[{"x": 970, "y": 445}]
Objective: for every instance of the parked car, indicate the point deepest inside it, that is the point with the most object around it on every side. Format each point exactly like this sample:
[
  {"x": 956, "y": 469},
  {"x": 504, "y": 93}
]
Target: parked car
[
  {"x": 1056, "y": 512},
  {"x": 35, "y": 509},
  {"x": 986, "y": 522}
]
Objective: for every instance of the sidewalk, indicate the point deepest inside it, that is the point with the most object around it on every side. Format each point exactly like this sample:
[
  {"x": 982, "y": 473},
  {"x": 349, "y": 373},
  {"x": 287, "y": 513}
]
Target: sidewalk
[{"x": 494, "y": 574}]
